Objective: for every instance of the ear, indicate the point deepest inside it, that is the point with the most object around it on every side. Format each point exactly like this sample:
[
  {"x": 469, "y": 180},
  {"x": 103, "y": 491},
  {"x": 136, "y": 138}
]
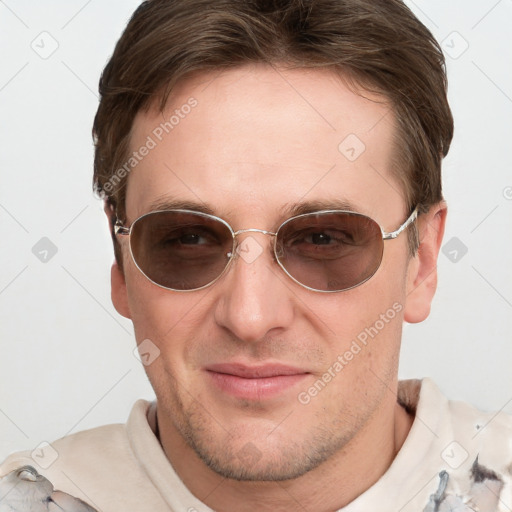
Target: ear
[
  {"x": 117, "y": 280},
  {"x": 110, "y": 212},
  {"x": 422, "y": 271},
  {"x": 119, "y": 293}
]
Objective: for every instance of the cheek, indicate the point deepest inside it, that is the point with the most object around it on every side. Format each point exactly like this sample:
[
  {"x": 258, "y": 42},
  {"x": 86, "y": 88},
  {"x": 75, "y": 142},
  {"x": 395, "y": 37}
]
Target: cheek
[
  {"x": 364, "y": 325},
  {"x": 155, "y": 311},
  {"x": 362, "y": 361},
  {"x": 174, "y": 322},
  {"x": 379, "y": 302}
]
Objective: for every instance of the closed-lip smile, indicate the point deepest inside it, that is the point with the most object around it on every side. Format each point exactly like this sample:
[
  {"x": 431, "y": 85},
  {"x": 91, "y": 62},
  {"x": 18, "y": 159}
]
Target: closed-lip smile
[{"x": 256, "y": 382}]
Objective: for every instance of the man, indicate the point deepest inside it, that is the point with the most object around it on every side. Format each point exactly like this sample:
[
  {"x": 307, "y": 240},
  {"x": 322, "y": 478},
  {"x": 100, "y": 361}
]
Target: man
[{"x": 271, "y": 173}]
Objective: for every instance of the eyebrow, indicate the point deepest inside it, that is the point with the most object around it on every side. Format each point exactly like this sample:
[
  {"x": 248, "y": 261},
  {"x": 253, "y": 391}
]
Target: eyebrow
[
  {"x": 286, "y": 211},
  {"x": 316, "y": 205}
]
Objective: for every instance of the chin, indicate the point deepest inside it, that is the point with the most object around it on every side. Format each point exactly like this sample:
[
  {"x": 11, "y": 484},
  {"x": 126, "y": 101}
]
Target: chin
[
  {"x": 254, "y": 453},
  {"x": 250, "y": 464}
]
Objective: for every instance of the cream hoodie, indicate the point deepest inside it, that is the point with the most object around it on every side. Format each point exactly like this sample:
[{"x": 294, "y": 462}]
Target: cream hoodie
[{"x": 455, "y": 458}]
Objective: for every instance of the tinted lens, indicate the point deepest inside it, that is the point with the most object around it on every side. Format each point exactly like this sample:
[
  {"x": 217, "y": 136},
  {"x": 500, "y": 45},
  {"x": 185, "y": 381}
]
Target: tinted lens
[
  {"x": 181, "y": 251},
  {"x": 330, "y": 251}
]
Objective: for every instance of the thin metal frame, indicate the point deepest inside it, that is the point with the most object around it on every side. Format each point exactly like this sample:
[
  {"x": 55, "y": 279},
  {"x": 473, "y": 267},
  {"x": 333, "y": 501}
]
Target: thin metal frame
[{"x": 121, "y": 230}]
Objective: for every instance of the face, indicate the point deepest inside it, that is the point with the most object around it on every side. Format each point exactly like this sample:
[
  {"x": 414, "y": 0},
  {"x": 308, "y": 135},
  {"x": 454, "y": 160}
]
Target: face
[{"x": 262, "y": 378}]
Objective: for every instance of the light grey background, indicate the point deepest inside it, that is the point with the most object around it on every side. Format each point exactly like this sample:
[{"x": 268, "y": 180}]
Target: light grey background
[{"x": 66, "y": 360}]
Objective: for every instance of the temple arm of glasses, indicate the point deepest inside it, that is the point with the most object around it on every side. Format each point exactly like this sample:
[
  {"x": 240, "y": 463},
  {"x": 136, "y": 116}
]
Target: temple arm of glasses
[
  {"x": 405, "y": 225},
  {"x": 119, "y": 229}
]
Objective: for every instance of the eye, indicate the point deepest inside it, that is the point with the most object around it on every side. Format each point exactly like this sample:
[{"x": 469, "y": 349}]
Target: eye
[
  {"x": 322, "y": 237},
  {"x": 326, "y": 237},
  {"x": 190, "y": 236},
  {"x": 192, "y": 239}
]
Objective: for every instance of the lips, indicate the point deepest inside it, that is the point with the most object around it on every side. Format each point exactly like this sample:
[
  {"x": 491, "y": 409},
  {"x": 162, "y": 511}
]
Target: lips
[
  {"x": 254, "y": 382},
  {"x": 255, "y": 372}
]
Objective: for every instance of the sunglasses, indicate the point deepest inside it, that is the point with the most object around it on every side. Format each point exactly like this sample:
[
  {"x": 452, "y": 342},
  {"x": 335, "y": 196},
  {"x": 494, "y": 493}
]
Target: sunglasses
[{"x": 324, "y": 251}]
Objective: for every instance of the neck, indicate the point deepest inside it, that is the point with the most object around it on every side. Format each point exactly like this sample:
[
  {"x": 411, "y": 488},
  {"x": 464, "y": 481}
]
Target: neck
[{"x": 330, "y": 486}]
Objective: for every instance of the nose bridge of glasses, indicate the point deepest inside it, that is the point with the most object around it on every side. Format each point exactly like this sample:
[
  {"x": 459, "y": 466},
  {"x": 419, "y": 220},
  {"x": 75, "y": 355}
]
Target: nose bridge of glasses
[
  {"x": 247, "y": 249},
  {"x": 253, "y": 230}
]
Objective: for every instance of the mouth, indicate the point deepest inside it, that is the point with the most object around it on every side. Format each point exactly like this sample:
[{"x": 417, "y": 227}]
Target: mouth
[{"x": 254, "y": 383}]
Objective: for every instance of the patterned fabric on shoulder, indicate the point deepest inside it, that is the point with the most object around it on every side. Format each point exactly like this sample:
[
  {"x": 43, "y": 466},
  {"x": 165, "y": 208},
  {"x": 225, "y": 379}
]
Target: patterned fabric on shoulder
[{"x": 25, "y": 490}]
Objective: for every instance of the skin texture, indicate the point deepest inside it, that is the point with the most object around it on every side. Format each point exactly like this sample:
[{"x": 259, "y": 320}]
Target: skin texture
[{"x": 258, "y": 140}]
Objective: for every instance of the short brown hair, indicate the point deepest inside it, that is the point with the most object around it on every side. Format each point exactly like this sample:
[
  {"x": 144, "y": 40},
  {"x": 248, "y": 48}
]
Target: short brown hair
[{"x": 379, "y": 44}]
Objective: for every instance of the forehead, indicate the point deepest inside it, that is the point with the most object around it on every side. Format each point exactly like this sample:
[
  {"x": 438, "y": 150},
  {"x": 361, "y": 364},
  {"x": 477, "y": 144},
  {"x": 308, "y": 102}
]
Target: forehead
[{"x": 258, "y": 140}]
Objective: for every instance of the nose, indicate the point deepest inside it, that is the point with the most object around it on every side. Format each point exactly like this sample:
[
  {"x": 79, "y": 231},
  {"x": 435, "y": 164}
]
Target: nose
[{"x": 254, "y": 297}]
